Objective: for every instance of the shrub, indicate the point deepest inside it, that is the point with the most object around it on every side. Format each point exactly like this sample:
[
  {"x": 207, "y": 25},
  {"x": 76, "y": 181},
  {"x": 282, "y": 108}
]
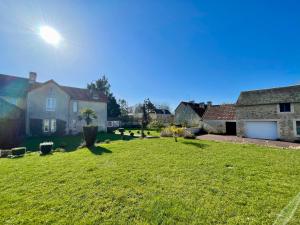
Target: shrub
[
  {"x": 138, "y": 132},
  {"x": 172, "y": 131},
  {"x": 18, "y": 151},
  {"x": 121, "y": 130},
  {"x": 107, "y": 141},
  {"x": 129, "y": 131},
  {"x": 5, "y": 153},
  {"x": 90, "y": 135},
  {"x": 148, "y": 133},
  {"x": 131, "y": 134},
  {"x": 46, "y": 147},
  {"x": 155, "y": 125},
  {"x": 63, "y": 145}
]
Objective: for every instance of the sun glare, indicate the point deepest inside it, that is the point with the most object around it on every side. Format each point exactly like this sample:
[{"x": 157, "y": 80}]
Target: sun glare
[{"x": 50, "y": 35}]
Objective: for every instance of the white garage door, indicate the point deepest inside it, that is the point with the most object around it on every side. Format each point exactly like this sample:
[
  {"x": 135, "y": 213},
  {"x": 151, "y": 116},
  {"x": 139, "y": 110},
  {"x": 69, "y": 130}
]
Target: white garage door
[{"x": 261, "y": 130}]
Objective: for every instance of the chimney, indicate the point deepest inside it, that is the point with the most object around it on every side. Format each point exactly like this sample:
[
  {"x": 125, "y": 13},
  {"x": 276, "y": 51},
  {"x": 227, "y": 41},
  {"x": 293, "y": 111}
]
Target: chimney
[
  {"x": 32, "y": 77},
  {"x": 209, "y": 103}
]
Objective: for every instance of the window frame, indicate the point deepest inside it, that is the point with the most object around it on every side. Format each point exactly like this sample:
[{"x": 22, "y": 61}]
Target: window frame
[
  {"x": 75, "y": 107},
  {"x": 53, "y": 125},
  {"x": 295, "y": 127},
  {"x": 46, "y": 121},
  {"x": 50, "y": 104},
  {"x": 291, "y": 108}
]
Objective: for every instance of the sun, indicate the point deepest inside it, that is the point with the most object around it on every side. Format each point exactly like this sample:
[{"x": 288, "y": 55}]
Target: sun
[{"x": 50, "y": 35}]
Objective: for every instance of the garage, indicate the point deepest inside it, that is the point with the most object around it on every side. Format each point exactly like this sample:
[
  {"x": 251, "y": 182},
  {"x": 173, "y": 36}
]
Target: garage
[{"x": 261, "y": 129}]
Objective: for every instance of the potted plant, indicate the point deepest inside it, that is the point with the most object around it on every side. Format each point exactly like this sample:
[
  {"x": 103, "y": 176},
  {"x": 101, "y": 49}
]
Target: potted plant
[{"x": 89, "y": 131}]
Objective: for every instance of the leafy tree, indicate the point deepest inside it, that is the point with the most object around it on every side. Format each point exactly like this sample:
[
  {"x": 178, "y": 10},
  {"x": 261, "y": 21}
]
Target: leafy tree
[
  {"x": 147, "y": 108},
  {"x": 113, "y": 108},
  {"x": 87, "y": 115},
  {"x": 102, "y": 85},
  {"x": 123, "y": 107}
]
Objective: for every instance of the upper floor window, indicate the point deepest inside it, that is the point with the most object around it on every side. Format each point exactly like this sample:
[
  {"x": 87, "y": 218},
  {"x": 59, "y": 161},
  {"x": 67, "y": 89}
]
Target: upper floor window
[
  {"x": 50, "y": 104},
  {"x": 75, "y": 107},
  {"x": 285, "y": 107}
]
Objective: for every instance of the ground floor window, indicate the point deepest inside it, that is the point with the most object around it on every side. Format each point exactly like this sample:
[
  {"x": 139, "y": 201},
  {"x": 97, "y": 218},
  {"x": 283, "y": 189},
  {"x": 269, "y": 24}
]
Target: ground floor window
[
  {"x": 298, "y": 128},
  {"x": 49, "y": 125}
]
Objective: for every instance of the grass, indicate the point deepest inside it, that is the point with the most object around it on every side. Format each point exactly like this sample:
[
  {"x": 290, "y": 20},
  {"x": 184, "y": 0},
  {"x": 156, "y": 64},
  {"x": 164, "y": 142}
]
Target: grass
[{"x": 151, "y": 181}]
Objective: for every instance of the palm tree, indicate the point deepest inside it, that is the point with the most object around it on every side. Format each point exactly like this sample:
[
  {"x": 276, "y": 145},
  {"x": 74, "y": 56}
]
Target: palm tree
[{"x": 88, "y": 115}]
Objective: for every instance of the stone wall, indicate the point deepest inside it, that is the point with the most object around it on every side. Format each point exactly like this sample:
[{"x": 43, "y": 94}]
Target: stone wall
[
  {"x": 214, "y": 126},
  {"x": 285, "y": 121},
  {"x": 184, "y": 114}
]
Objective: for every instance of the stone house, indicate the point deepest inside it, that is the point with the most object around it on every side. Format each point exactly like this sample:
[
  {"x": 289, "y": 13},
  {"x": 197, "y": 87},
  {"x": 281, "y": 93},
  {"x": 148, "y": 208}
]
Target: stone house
[
  {"x": 220, "y": 119},
  {"x": 270, "y": 113},
  {"x": 190, "y": 113},
  {"x": 52, "y": 108},
  {"x": 162, "y": 115}
]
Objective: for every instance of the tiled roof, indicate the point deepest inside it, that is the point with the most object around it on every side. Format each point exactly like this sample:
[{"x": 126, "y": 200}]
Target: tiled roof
[
  {"x": 198, "y": 108},
  {"x": 13, "y": 86},
  {"x": 220, "y": 112},
  {"x": 18, "y": 87},
  {"x": 82, "y": 94}
]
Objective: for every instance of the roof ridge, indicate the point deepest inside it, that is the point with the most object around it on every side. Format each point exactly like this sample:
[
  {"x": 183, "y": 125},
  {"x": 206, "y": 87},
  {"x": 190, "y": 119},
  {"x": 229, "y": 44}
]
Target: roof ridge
[{"x": 270, "y": 89}]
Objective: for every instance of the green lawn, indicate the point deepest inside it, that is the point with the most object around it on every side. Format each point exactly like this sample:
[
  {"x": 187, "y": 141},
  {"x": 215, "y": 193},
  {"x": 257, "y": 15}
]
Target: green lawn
[{"x": 151, "y": 181}]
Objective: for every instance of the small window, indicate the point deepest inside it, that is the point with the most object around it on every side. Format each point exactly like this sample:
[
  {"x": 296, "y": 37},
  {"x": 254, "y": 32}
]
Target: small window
[
  {"x": 298, "y": 128},
  {"x": 53, "y": 125},
  {"x": 74, "y": 124},
  {"x": 75, "y": 107},
  {"x": 46, "y": 125},
  {"x": 285, "y": 107},
  {"x": 110, "y": 124},
  {"x": 50, "y": 104}
]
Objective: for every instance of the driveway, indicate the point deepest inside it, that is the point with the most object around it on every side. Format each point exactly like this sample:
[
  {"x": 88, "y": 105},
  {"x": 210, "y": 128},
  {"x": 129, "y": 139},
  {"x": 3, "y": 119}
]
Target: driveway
[{"x": 235, "y": 139}]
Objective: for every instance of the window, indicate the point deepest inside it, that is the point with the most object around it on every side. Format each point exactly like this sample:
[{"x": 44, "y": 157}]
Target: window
[
  {"x": 298, "y": 128},
  {"x": 285, "y": 107},
  {"x": 49, "y": 125},
  {"x": 110, "y": 124},
  {"x": 75, "y": 107},
  {"x": 46, "y": 125},
  {"x": 50, "y": 104},
  {"x": 74, "y": 124},
  {"x": 53, "y": 125}
]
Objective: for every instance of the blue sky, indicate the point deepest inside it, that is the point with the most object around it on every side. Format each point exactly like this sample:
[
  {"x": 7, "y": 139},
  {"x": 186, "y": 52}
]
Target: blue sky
[{"x": 165, "y": 50}]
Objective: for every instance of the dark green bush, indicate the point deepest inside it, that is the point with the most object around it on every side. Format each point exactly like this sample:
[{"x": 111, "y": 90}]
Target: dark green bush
[
  {"x": 90, "y": 134},
  {"x": 46, "y": 147},
  {"x": 138, "y": 132},
  {"x": 131, "y": 134},
  {"x": 18, "y": 151},
  {"x": 107, "y": 141},
  {"x": 148, "y": 133},
  {"x": 63, "y": 145},
  {"x": 5, "y": 153}
]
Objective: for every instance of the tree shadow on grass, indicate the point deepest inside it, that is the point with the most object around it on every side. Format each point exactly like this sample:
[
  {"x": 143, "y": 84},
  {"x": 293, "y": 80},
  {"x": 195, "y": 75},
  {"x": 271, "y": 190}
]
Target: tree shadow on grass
[
  {"x": 196, "y": 144},
  {"x": 98, "y": 150}
]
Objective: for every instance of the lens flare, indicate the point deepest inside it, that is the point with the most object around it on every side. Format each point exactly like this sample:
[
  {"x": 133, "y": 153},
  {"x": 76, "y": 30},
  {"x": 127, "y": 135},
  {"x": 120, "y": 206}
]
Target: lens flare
[{"x": 50, "y": 35}]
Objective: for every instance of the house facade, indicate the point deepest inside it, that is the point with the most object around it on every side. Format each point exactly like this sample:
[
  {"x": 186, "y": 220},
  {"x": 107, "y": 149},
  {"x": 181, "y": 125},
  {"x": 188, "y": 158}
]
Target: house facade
[
  {"x": 51, "y": 108},
  {"x": 220, "y": 119},
  {"x": 190, "y": 113},
  {"x": 270, "y": 114},
  {"x": 164, "y": 116}
]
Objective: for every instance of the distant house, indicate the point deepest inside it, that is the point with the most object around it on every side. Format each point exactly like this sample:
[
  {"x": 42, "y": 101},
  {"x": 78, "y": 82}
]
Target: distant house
[
  {"x": 190, "y": 113},
  {"x": 220, "y": 119},
  {"x": 162, "y": 115},
  {"x": 270, "y": 113},
  {"x": 50, "y": 107}
]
